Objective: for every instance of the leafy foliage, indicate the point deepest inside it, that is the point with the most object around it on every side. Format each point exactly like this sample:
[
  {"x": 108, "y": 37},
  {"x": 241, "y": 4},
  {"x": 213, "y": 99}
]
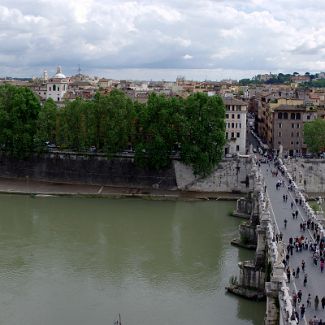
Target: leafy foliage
[
  {"x": 46, "y": 125},
  {"x": 314, "y": 135},
  {"x": 203, "y": 135},
  {"x": 193, "y": 128},
  {"x": 19, "y": 109}
]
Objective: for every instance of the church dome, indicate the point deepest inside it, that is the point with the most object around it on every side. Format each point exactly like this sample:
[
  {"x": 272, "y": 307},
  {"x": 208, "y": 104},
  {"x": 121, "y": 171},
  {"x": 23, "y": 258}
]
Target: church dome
[{"x": 59, "y": 73}]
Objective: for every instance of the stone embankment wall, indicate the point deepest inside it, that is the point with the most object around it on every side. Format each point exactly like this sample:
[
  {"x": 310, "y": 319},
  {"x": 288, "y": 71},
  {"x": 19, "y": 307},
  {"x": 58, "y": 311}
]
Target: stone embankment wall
[
  {"x": 308, "y": 174},
  {"x": 231, "y": 176},
  {"x": 87, "y": 169}
]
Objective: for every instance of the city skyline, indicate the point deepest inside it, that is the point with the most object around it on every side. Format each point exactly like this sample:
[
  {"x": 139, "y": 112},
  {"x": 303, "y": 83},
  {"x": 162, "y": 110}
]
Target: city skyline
[{"x": 143, "y": 40}]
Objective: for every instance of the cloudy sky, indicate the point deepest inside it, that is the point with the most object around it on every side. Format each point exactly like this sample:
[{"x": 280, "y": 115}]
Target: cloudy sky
[{"x": 230, "y": 38}]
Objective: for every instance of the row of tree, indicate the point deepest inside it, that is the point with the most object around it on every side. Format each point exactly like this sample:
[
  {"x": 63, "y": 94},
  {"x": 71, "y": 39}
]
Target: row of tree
[
  {"x": 282, "y": 78},
  {"x": 193, "y": 127}
]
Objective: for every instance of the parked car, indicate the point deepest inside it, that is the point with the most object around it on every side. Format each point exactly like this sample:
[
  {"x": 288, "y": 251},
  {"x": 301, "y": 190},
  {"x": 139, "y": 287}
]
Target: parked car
[{"x": 51, "y": 146}]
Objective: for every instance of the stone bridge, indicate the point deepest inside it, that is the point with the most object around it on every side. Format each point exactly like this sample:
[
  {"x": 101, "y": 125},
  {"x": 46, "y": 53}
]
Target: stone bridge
[{"x": 266, "y": 276}]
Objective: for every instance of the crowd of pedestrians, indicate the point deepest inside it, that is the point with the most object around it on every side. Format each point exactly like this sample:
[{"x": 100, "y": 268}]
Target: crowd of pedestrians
[{"x": 308, "y": 239}]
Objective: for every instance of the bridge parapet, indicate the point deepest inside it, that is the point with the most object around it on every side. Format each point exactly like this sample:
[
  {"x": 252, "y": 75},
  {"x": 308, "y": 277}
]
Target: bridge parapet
[
  {"x": 265, "y": 276},
  {"x": 279, "y": 308}
]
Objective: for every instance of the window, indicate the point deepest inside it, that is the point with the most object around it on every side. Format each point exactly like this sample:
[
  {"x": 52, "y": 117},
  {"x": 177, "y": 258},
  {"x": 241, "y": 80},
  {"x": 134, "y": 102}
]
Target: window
[
  {"x": 285, "y": 116},
  {"x": 49, "y": 88},
  {"x": 232, "y": 135},
  {"x": 279, "y": 142},
  {"x": 240, "y": 125},
  {"x": 232, "y": 125},
  {"x": 54, "y": 87},
  {"x": 280, "y": 116},
  {"x": 297, "y": 142},
  {"x": 292, "y": 134},
  {"x": 291, "y": 142},
  {"x": 293, "y": 116},
  {"x": 298, "y": 134},
  {"x": 298, "y": 116},
  {"x": 232, "y": 116},
  {"x": 237, "y": 148},
  {"x": 238, "y": 116},
  {"x": 280, "y": 134},
  {"x": 238, "y": 135},
  {"x": 280, "y": 125},
  {"x": 226, "y": 135},
  {"x": 292, "y": 125},
  {"x": 227, "y": 115},
  {"x": 308, "y": 117},
  {"x": 298, "y": 126},
  {"x": 58, "y": 99},
  {"x": 58, "y": 88}
]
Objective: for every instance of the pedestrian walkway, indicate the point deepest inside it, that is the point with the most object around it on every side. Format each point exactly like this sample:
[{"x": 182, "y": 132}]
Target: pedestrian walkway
[{"x": 283, "y": 205}]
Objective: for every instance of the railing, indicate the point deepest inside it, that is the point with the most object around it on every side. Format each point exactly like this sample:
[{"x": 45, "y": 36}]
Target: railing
[{"x": 276, "y": 250}]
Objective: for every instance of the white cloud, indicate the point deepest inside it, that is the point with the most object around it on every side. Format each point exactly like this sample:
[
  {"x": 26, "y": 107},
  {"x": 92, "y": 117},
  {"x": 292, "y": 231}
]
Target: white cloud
[
  {"x": 238, "y": 35},
  {"x": 187, "y": 57}
]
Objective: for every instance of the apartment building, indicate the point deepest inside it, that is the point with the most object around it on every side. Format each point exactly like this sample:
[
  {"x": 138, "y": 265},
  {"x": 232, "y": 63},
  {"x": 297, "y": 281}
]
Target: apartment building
[
  {"x": 288, "y": 127},
  {"x": 236, "y": 111}
]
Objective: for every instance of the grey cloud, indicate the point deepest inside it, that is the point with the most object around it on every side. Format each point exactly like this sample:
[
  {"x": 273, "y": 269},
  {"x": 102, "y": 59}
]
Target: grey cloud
[{"x": 140, "y": 34}]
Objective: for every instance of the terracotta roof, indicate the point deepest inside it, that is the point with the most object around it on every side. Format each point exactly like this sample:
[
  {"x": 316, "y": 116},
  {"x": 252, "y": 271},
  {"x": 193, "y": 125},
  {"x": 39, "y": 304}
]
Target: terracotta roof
[{"x": 234, "y": 101}]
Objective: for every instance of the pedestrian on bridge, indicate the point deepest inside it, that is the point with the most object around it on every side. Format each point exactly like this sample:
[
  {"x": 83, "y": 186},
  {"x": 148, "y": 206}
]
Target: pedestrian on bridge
[
  {"x": 297, "y": 272},
  {"x": 302, "y": 311},
  {"x": 299, "y": 295},
  {"x": 303, "y": 266},
  {"x": 323, "y": 302},
  {"x": 288, "y": 274},
  {"x": 322, "y": 264},
  {"x": 309, "y": 301},
  {"x": 316, "y": 302},
  {"x": 305, "y": 280}
]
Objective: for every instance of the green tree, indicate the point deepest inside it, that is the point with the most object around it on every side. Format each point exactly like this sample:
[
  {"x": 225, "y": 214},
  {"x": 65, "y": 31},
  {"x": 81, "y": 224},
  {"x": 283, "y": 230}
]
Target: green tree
[
  {"x": 46, "y": 124},
  {"x": 314, "y": 135},
  {"x": 157, "y": 125},
  {"x": 118, "y": 123},
  {"x": 203, "y": 135},
  {"x": 19, "y": 109},
  {"x": 71, "y": 130}
]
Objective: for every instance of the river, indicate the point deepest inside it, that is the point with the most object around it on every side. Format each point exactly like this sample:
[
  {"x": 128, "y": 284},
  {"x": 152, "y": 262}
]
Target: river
[{"x": 77, "y": 261}]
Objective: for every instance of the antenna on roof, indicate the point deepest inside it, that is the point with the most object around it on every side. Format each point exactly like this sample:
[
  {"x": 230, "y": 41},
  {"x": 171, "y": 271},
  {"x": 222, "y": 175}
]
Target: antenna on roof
[{"x": 79, "y": 71}]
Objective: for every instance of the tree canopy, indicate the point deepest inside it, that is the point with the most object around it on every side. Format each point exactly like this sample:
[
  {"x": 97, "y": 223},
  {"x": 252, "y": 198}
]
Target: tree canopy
[
  {"x": 19, "y": 110},
  {"x": 193, "y": 128},
  {"x": 314, "y": 135}
]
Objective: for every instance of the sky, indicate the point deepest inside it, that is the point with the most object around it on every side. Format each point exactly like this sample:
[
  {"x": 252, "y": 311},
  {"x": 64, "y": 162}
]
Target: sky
[{"x": 143, "y": 39}]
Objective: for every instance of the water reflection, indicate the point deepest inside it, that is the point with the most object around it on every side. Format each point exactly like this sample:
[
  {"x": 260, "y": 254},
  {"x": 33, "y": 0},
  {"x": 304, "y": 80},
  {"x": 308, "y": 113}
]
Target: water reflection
[{"x": 82, "y": 260}]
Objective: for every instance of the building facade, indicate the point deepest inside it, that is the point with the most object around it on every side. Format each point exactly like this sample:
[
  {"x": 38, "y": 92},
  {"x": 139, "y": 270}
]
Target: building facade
[
  {"x": 57, "y": 86},
  {"x": 236, "y": 111}
]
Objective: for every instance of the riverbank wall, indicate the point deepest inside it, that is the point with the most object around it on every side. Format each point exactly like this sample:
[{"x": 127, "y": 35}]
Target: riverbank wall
[{"x": 231, "y": 176}]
